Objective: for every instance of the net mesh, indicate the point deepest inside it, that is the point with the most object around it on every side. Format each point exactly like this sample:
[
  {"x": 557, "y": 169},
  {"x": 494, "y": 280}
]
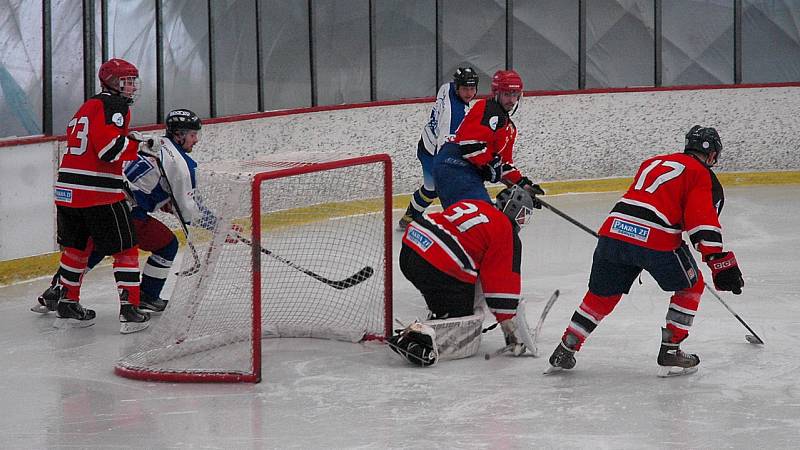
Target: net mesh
[{"x": 322, "y": 264}]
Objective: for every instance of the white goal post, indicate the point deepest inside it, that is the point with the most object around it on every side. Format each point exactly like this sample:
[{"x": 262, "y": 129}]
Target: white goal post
[{"x": 291, "y": 245}]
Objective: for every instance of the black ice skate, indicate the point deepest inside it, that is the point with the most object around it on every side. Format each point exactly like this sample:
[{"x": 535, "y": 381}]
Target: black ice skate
[
  {"x": 563, "y": 356},
  {"x": 131, "y": 319},
  {"x": 151, "y": 304},
  {"x": 71, "y": 314},
  {"x": 48, "y": 301},
  {"x": 672, "y": 360}
]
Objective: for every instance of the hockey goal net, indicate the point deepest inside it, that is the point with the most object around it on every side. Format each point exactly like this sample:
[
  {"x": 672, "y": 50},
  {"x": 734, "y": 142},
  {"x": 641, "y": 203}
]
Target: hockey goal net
[{"x": 293, "y": 245}]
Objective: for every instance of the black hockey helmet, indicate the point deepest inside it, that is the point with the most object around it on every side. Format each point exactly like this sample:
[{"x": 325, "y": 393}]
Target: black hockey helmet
[
  {"x": 516, "y": 203},
  {"x": 704, "y": 141},
  {"x": 181, "y": 119},
  {"x": 465, "y": 76}
]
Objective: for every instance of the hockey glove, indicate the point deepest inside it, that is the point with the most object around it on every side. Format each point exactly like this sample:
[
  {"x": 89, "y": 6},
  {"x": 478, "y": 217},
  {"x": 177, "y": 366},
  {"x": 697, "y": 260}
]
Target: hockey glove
[
  {"x": 147, "y": 145},
  {"x": 493, "y": 170},
  {"x": 726, "y": 273},
  {"x": 533, "y": 189}
]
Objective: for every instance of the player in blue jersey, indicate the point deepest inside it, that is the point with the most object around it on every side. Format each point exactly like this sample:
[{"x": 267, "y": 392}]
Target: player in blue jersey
[
  {"x": 452, "y": 104},
  {"x": 148, "y": 191}
]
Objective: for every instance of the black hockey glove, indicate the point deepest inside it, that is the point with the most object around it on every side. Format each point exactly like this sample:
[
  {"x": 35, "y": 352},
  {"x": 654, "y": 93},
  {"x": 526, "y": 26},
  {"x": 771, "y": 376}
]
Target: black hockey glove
[
  {"x": 725, "y": 272},
  {"x": 533, "y": 189},
  {"x": 493, "y": 170}
]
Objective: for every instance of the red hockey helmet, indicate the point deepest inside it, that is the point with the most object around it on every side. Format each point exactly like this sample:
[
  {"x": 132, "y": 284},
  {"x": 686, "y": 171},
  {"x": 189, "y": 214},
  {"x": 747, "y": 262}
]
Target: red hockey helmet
[
  {"x": 119, "y": 76},
  {"x": 506, "y": 81}
]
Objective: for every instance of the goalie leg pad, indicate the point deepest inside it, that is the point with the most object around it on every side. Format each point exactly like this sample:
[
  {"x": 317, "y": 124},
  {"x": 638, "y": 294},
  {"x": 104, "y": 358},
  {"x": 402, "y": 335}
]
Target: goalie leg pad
[
  {"x": 416, "y": 343},
  {"x": 459, "y": 337}
]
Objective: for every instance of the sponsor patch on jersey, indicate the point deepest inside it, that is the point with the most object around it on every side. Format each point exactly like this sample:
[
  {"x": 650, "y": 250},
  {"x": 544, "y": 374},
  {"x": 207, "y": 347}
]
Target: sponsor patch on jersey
[
  {"x": 118, "y": 119},
  {"x": 419, "y": 239},
  {"x": 64, "y": 195},
  {"x": 631, "y": 230},
  {"x": 493, "y": 122}
]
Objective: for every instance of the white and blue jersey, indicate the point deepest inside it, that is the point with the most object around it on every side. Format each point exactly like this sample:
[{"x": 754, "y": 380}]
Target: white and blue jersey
[
  {"x": 149, "y": 190},
  {"x": 446, "y": 115}
]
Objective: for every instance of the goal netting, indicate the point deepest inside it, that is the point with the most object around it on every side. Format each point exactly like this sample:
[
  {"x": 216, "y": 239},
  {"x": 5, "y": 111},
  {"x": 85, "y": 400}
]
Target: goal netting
[{"x": 290, "y": 245}]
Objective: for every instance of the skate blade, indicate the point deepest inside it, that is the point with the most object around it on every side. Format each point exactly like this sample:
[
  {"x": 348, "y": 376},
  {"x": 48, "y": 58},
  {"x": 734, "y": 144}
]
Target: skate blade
[
  {"x": 552, "y": 369},
  {"x": 673, "y": 371},
  {"x": 62, "y": 323},
  {"x": 132, "y": 327},
  {"x": 40, "y": 309}
]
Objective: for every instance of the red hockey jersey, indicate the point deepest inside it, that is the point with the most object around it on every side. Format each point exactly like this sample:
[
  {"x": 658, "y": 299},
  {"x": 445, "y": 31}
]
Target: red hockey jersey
[
  {"x": 669, "y": 195},
  {"x": 90, "y": 173},
  {"x": 486, "y": 131},
  {"x": 473, "y": 240}
]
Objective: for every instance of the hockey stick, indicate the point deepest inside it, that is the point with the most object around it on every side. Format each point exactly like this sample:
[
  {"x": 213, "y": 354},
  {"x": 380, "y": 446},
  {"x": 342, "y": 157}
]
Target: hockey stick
[
  {"x": 350, "y": 281},
  {"x": 753, "y": 339},
  {"x": 538, "y": 329},
  {"x": 196, "y": 264},
  {"x": 536, "y": 333}
]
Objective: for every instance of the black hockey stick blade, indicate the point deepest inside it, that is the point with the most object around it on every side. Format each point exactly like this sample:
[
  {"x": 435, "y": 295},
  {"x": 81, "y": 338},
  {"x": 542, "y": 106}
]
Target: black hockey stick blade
[{"x": 358, "y": 277}]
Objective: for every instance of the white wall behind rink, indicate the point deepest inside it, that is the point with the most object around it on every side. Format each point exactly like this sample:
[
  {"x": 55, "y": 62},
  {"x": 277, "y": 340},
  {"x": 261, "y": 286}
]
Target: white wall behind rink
[{"x": 561, "y": 137}]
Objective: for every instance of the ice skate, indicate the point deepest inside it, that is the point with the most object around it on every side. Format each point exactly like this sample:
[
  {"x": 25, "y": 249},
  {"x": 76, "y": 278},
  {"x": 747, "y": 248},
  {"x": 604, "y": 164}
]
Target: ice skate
[
  {"x": 151, "y": 304},
  {"x": 131, "y": 319},
  {"x": 563, "y": 356},
  {"x": 70, "y": 314},
  {"x": 672, "y": 360},
  {"x": 48, "y": 301}
]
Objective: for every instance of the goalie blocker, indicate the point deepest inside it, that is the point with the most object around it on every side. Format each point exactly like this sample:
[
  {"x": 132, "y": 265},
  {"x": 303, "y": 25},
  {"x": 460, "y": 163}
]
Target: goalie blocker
[{"x": 444, "y": 255}]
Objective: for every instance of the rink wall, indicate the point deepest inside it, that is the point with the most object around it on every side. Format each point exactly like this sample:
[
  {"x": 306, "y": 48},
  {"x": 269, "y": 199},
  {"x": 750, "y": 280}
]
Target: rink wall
[{"x": 574, "y": 141}]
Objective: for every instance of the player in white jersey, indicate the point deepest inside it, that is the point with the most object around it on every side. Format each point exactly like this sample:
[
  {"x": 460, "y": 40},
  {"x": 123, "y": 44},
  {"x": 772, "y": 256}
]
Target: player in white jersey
[{"x": 452, "y": 104}]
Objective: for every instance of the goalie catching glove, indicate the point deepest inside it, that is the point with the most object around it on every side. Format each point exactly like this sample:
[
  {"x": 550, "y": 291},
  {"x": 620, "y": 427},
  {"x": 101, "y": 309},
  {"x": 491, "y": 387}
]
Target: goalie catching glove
[
  {"x": 725, "y": 272},
  {"x": 416, "y": 343}
]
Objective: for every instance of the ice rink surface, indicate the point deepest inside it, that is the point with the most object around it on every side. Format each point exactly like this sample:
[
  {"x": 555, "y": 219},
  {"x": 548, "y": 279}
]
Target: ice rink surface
[{"x": 58, "y": 388}]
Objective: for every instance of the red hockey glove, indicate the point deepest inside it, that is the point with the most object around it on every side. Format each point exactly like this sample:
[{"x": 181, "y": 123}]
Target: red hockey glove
[{"x": 726, "y": 273}]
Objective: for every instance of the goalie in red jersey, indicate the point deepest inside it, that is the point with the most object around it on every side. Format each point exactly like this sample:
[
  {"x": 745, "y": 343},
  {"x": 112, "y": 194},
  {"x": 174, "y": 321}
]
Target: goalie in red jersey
[
  {"x": 90, "y": 200},
  {"x": 445, "y": 255},
  {"x": 483, "y": 147},
  {"x": 671, "y": 194}
]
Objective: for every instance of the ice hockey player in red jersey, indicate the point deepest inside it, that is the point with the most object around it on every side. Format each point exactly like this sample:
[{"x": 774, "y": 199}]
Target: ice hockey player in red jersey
[
  {"x": 148, "y": 190},
  {"x": 445, "y": 255},
  {"x": 90, "y": 201},
  {"x": 483, "y": 147},
  {"x": 670, "y": 194}
]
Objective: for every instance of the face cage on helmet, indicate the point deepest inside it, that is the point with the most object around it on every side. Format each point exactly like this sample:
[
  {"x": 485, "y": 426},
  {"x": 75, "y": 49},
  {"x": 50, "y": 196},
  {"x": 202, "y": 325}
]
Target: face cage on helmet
[
  {"x": 522, "y": 217},
  {"x": 127, "y": 87}
]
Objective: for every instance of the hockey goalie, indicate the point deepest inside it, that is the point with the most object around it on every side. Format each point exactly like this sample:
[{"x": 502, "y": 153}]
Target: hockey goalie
[{"x": 466, "y": 260}]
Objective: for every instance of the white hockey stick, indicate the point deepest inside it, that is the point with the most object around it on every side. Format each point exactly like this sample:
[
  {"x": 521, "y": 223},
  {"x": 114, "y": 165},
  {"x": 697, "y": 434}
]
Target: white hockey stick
[
  {"x": 196, "y": 264},
  {"x": 538, "y": 330}
]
